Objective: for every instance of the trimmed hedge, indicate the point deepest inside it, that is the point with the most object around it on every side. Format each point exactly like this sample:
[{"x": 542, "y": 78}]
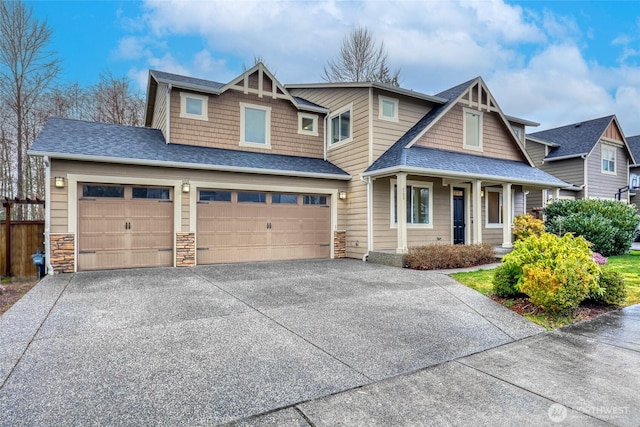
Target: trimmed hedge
[
  {"x": 437, "y": 257},
  {"x": 609, "y": 225}
]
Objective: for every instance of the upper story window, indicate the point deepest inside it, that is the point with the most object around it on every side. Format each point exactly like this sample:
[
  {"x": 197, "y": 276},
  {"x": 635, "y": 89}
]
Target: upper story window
[
  {"x": 387, "y": 108},
  {"x": 419, "y": 199},
  {"x": 307, "y": 124},
  {"x": 472, "y": 129},
  {"x": 193, "y": 106},
  {"x": 341, "y": 126},
  {"x": 608, "y": 159},
  {"x": 255, "y": 125}
]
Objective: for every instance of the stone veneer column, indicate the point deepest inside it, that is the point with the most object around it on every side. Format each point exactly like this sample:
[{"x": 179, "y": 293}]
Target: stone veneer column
[
  {"x": 62, "y": 252},
  {"x": 339, "y": 244},
  {"x": 185, "y": 249}
]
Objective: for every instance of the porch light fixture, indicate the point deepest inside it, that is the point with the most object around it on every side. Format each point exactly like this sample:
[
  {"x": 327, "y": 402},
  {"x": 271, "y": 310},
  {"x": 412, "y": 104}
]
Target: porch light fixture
[
  {"x": 186, "y": 187},
  {"x": 342, "y": 195},
  {"x": 59, "y": 181}
]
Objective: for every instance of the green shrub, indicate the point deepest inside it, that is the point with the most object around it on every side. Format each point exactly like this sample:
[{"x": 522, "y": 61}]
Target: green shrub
[
  {"x": 526, "y": 225},
  {"x": 610, "y": 225},
  {"x": 505, "y": 279},
  {"x": 557, "y": 273},
  {"x": 612, "y": 289},
  {"x": 435, "y": 257}
]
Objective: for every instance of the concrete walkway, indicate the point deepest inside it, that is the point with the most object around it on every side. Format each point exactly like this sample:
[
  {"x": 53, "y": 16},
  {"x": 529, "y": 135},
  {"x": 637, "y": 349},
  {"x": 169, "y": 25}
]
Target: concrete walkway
[{"x": 336, "y": 342}]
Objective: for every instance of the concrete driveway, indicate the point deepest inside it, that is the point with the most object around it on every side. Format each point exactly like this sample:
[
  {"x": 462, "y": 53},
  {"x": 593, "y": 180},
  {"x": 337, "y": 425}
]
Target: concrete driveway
[{"x": 287, "y": 343}]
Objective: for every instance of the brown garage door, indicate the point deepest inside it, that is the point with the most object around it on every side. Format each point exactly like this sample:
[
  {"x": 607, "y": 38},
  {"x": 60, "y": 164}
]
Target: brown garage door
[
  {"x": 237, "y": 226},
  {"x": 124, "y": 227}
]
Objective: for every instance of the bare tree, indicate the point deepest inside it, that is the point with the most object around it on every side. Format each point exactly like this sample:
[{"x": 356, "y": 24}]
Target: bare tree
[
  {"x": 115, "y": 101},
  {"x": 27, "y": 68},
  {"x": 360, "y": 60}
]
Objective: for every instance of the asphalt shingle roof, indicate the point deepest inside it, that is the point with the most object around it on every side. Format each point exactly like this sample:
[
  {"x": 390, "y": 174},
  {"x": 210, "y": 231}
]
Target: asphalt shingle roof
[
  {"x": 481, "y": 166},
  {"x": 634, "y": 145},
  {"x": 66, "y": 138},
  {"x": 575, "y": 139},
  {"x": 394, "y": 155},
  {"x": 179, "y": 80}
]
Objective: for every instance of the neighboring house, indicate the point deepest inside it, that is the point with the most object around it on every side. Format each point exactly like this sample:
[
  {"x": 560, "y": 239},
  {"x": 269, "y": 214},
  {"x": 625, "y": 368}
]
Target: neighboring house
[
  {"x": 634, "y": 171},
  {"x": 592, "y": 156},
  {"x": 252, "y": 170}
]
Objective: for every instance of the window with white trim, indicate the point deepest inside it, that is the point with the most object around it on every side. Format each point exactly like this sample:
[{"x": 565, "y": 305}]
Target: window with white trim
[
  {"x": 194, "y": 106},
  {"x": 472, "y": 129},
  {"x": 419, "y": 199},
  {"x": 608, "y": 159},
  {"x": 340, "y": 126},
  {"x": 255, "y": 125},
  {"x": 387, "y": 108},
  {"x": 494, "y": 206},
  {"x": 307, "y": 124}
]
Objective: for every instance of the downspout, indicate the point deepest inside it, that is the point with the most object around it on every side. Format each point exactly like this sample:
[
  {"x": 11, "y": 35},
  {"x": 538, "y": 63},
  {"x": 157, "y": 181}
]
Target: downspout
[
  {"x": 168, "y": 113},
  {"x": 47, "y": 213},
  {"x": 368, "y": 181},
  {"x": 585, "y": 165},
  {"x": 324, "y": 136}
]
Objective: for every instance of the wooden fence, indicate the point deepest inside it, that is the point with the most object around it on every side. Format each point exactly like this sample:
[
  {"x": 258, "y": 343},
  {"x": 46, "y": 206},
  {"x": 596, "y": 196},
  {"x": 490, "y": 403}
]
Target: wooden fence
[{"x": 26, "y": 238}]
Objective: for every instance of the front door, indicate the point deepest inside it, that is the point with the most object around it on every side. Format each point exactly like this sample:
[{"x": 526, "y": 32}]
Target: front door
[{"x": 458, "y": 216}]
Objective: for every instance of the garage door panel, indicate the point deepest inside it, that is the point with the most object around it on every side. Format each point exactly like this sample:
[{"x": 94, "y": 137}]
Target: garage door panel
[
  {"x": 124, "y": 232},
  {"x": 229, "y": 231}
]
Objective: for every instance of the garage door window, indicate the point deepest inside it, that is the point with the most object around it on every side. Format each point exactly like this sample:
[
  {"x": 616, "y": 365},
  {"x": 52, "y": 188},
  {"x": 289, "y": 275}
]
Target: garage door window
[
  {"x": 215, "y": 196},
  {"x": 252, "y": 197},
  {"x": 314, "y": 200},
  {"x": 290, "y": 199},
  {"x": 102, "y": 191},
  {"x": 150, "y": 193}
]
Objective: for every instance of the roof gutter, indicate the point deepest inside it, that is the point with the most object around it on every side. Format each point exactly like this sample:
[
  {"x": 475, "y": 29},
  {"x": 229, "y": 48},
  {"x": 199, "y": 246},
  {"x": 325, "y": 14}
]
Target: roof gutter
[
  {"x": 183, "y": 165},
  {"x": 439, "y": 172},
  {"x": 572, "y": 156}
]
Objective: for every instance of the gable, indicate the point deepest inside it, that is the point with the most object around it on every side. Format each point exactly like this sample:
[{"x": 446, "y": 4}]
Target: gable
[
  {"x": 613, "y": 132},
  {"x": 497, "y": 138},
  {"x": 258, "y": 81}
]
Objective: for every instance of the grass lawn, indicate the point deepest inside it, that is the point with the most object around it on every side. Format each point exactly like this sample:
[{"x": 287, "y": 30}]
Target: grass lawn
[{"x": 628, "y": 265}]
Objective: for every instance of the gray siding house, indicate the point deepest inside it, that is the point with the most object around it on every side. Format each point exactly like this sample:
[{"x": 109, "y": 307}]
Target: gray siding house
[{"x": 593, "y": 156}]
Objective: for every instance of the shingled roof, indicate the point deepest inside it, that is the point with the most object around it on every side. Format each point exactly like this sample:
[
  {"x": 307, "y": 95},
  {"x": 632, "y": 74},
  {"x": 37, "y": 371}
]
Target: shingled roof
[
  {"x": 634, "y": 146},
  {"x": 91, "y": 141},
  {"x": 574, "y": 140}
]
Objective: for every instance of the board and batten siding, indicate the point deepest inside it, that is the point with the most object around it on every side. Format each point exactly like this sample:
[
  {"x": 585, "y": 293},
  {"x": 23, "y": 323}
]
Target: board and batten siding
[
  {"x": 447, "y": 134},
  {"x": 160, "y": 110},
  {"x": 603, "y": 185},
  {"x": 212, "y": 179},
  {"x": 352, "y": 157},
  {"x": 222, "y": 129}
]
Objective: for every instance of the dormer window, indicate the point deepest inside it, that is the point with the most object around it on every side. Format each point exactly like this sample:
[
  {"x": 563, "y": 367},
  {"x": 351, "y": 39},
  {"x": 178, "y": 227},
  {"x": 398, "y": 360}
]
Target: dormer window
[{"x": 193, "y": 106}]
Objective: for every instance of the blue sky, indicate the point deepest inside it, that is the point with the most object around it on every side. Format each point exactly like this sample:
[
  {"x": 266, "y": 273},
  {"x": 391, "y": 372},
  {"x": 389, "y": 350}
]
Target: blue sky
[{"x": 554, "y": 62}]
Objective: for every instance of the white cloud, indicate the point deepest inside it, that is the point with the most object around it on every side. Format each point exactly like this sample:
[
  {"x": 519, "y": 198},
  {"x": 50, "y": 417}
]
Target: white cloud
[{"x": 533, "y": 60}]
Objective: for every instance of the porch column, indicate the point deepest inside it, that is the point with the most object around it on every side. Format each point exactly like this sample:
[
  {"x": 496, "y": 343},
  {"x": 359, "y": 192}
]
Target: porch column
[
  {"x": 507, "y": 219},
  {"x": 477, "y": 211},
  {"x": 401, "y": 204}
]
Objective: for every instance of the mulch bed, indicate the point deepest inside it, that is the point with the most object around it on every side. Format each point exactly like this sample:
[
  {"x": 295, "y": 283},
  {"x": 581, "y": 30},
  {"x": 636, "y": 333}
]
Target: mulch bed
[
  {"x": 15, "y": 289},
  {"x": 522, "y": 306}
]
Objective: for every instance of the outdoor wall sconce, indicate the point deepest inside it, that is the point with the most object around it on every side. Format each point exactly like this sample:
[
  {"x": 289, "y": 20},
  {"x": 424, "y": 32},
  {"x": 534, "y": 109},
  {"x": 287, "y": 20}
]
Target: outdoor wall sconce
[
  {"x": 186, "y": 187},
  {"x": 342, "y": 195},
  {"x": 481, "y": 193},
  {"x": 59, "y": 181}
]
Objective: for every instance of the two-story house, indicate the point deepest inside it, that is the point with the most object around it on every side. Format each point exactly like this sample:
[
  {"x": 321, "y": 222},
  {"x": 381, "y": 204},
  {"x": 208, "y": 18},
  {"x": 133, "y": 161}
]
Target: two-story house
[
  {"x": 593, "y": 156},
  {"x": 252, "y": 170}
]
